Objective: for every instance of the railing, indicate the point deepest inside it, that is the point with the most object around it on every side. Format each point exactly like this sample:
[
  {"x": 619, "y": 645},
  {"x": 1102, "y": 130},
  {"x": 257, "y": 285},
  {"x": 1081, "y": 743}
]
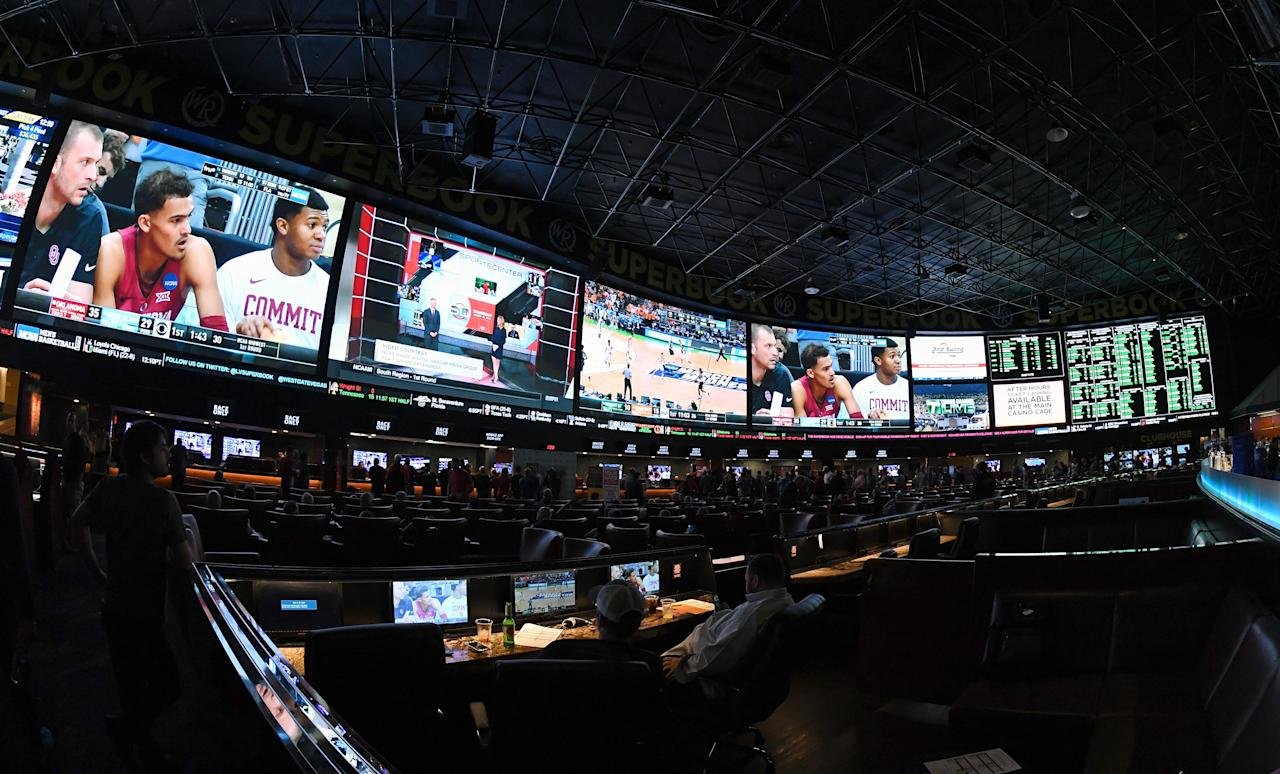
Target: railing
[{"x": 1256, "y": 500}]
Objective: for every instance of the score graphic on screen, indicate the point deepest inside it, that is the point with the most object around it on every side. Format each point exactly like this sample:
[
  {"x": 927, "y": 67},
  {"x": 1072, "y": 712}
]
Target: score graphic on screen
[
  {"x": 1024, "y": 356},
  {"x": 1025, "y": 404},
  {"x": 822, "y": 379},
  {"x": 1136, "y": 372},
  {"x": 648, "y": 359},
  {"x": 200, "y": 256},
  {"x": 421, "y": 307}
]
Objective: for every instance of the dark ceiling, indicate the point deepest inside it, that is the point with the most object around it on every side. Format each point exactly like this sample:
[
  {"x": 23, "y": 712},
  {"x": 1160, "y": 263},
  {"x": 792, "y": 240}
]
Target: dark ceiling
[{"x": 918, "y": 130}]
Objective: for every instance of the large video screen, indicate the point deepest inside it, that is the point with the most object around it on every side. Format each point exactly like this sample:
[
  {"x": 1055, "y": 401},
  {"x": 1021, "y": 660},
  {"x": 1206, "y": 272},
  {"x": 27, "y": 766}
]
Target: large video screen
[
  {"x": 1027, "y": 404},
  {"x": 823, "y": 379},
  {"x": 422, "y": 308},
  {"x": 948, "y": 358},
  {"x": 24, "y": 142},
  {"x": 948, "y": 407},
  {"x": 187, "y": 259},
  {"x": 194, "y": 442},
  {"x": 544, "y": 592},
  {"x": 241, "y": 447},
  {"x": 646, "y": 359},
  {"x": 1137, "y": 373}
]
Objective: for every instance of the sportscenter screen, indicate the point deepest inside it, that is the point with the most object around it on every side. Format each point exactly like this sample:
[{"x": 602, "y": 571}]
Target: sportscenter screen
[
  {"x": 199, "y": 263},
  {"x": 647, "y": 359},
  {"x": 824, "y": 379},
  {"x": 24, "y": 142},
  {"x": 422, "y": 308}
]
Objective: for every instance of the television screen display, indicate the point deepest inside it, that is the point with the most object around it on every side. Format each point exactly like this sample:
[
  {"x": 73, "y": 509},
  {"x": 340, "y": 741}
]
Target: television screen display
[
  {"x": 241, "y": 447},
  {"x": 203, "y": 263},
  {"x": 423, "y": 308},
  {"x": 297, "y": 606},
  {"x": 443, "y": 463},
  {"x": 1013, "y": 356},
  {"x": 544, "y": 592},
  {"x": 942, "y": 407},
  {"x": 892, "y": 471},
  {"x": 643, "y": 575},
  {"x": 646, "y": 359},
  {"x": 417, "y": 463},
  {"x": 993, "y": 465},
  {"x": 948, "y": 358},
  {"x": 1023, "y": 404},
  {"x": 1033, "y": 462},
  {"x": 200, "y": 443},
  {"x": 366, "y": 458},
  {"x": 821, "y": 379},
  {"x": 498, "y": 467},
  {"x": 24, "y": 144},
  {"x": 429, "y": 601},
  {"x": 659, "y": 474}
]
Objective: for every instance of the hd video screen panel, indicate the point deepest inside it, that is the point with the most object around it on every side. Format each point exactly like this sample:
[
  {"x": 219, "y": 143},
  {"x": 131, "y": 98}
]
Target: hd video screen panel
[
  {"x": 24, "y": 143},
  {"x": 422, "y": 308},
  {"x": 1136, "y": 372},
  {"x": 647, "y": 359},
  {"x": 949, "y": 392},
  {"x": 948, "y": 358},
  {"x": 823, "y": 379},
  {"x": 186, "y": 259}
]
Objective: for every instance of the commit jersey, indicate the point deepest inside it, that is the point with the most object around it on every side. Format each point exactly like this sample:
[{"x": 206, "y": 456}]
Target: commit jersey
[
  {"x": 251, "y": 286},
  {"x": 892, "y": 401}
]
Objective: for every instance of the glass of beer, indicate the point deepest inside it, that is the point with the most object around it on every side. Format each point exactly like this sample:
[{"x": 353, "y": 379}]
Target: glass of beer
[
  {"x": 651, "y": 603},
  {"x": 668, "y": 609},
  {"x": 484, "y": 628}
]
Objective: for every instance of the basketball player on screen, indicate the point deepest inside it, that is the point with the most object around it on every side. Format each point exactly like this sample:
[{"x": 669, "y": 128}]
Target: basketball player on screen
[
  {"x": 821, "y": 391},
  {"x": 279, "y": 293},
  {"x": 884, "y": 394},
  {"x": 150, "y": 267}
]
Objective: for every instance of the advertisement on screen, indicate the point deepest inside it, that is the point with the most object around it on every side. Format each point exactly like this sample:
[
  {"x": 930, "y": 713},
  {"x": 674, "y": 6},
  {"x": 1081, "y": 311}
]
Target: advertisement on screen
[
  {"x": 949, "y": 408},
  {"x": 24, "y": 143},
  {"x": 1025, "y": 404},
  {"x": 429, "y": 601},
  {"x": 821, "y": 379},
  {"x": 948, "y": 358},
  {"x": 423, "y": 308},
  {"x": 187, "y": 259},
  {"x": 647, "y": 359}
]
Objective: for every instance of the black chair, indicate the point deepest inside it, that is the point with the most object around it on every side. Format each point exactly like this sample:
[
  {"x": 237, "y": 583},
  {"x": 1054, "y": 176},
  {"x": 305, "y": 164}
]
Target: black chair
[
  {"x": 370, "y": 539},
  {"x": 569, "y": 700},
  {"x": 500, "y": 537},
  {"x": 924, "y": 545},
  {"x": 570, "y": 528},
  {"x": 624, "y": 540},
  {"x": 581, "y": 548},
  {"x": 227, "y": 529},
  {"x": 299, "y": 539},
  {"x": 760, "y": 685},
  {"x": 795, "y": 523},
  {"x": 386, "y": 681},
  {"x": 431, "y": 541},
  {"x": 966, "y": 543},
  {"x": 540, "y": 545},
  {"x": 666, "y": 539}
]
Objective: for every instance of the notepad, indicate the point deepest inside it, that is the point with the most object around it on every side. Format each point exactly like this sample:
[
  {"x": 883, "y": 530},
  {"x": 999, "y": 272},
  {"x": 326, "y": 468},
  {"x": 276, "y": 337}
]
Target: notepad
[
  {"x": 534, "y": 636},
  {"x": 695, "y": 606},
  {"x": 995, "y": 761}
]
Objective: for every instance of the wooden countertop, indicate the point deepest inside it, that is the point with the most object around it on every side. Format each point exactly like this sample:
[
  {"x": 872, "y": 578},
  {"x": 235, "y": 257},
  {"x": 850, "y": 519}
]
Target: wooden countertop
[{"x": 847, "y": 568}]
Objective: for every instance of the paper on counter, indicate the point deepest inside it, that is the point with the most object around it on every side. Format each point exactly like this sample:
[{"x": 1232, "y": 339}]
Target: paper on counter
[
  {"x": 695, "y": 606},
  {"x": 995, "y": 761},
  {"x": 534, "y": 636}
]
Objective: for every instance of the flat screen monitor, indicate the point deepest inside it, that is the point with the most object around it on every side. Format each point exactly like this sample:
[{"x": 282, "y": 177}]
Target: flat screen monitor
[
  {"x": 646, "y": 359},
  {"x": 1034, "y": 462},
  {"x": 1184, "y": 448},
  {"x": 241, "y": 447},
  {"x": 201, "y": 443},
  {"x": 823, "y": 379},
  {"x": 443, "y": 463},
  {"x": 1027, "y": 404},
  {"x": 366, "y": 457},
  {"x": 441, "y": 601},
  {"x": 892, "y": 471},
  {"x": 659, "y": 473},
  {"x": 498, "y": 467},
  {"x": 417, "y": 463},
  {"x": 1014, "y": 356},
  {"x": 24, "y": 146},
  {"x": 421, "y": 307},
  {"x": 544, "y": 592},
  {"x": 203, "y": 264},
  {"x": 297, "y": 606},
  {"x": 948, "y": 358},
  {"x": 951, "y": 407},
  {"x": 993, "y": 465},
  {"x": 645, "y": 576}
]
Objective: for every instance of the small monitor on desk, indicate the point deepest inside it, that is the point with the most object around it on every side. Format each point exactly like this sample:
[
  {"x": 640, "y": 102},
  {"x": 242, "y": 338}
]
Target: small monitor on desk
[
  {"x": 544, "y": 592},
  {"x": 440, "y": 601},
  {"x": 297, "y": 606},
  {"x": 644, "y": 575}
]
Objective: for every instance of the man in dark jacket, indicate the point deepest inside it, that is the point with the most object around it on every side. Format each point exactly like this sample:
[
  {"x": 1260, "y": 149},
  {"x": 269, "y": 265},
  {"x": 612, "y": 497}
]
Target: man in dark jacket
[{"x": 377, "y": 478}]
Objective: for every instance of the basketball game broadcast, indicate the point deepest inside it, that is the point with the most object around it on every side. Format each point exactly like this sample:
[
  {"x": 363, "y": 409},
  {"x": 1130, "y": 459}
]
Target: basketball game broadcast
[{"x": 647, "y": 359}]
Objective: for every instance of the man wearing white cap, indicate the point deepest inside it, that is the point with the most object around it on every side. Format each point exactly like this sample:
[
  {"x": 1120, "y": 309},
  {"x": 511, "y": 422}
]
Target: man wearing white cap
[{"x": 620, "y": 609}]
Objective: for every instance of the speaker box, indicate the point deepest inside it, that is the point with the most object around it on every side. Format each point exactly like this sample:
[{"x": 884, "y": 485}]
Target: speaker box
[{"x": 477, "y": 146}]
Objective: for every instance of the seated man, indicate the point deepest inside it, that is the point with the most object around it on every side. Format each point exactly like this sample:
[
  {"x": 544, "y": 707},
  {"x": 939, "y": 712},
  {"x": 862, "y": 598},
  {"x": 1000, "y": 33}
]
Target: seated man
[
  {"x": 719, "y": 644},
  {"x": 620, "y": 609}
]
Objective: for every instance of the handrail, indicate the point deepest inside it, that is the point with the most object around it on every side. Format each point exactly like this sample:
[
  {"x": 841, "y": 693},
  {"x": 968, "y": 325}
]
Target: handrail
[{"x": 1253, "y": 499}]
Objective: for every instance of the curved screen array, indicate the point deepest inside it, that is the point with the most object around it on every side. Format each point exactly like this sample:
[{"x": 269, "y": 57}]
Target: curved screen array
[{"x": 152, "y": 252}]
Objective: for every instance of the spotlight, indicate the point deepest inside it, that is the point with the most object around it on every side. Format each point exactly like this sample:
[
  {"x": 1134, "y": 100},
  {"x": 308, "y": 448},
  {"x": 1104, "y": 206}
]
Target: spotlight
[
  {"x": 811, "y": 288},
  {"x": 1080, "y": 210},
  {"x": 1181, "y": 234},
  {"x": 1057, "y": 134}
]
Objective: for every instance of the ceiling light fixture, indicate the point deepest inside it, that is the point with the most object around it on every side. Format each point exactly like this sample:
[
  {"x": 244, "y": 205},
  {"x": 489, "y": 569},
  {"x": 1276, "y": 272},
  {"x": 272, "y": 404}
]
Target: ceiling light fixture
[
  {"x": 1057, "y": 134},
  {"x": 1080, "y": 210},
  {"x": 1180, "y": 234},
  {"x": 811, "y": 287}
]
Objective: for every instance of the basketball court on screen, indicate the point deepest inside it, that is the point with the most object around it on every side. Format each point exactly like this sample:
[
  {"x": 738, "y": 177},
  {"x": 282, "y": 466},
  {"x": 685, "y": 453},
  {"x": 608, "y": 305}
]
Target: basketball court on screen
[{"x": 660, "y": 375}]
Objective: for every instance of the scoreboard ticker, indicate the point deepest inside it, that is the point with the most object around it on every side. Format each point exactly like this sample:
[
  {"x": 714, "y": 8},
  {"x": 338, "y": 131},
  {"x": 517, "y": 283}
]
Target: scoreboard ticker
[
  {"x": 1138, "y": 371},
  {"x": 1024, "y": 356}
]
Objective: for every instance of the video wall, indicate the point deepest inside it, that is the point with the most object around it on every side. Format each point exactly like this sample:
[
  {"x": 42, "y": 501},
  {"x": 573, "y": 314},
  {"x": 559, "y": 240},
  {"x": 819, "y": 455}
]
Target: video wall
[
  {"x": 645, "y": 359},
  {"x": 428, "y": 310},
  {"x": 151, "y": 251}
]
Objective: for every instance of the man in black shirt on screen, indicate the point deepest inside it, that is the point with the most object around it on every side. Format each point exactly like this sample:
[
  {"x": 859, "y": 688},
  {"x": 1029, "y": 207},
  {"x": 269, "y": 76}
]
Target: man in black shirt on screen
[{"x": 770, "y": 387}]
